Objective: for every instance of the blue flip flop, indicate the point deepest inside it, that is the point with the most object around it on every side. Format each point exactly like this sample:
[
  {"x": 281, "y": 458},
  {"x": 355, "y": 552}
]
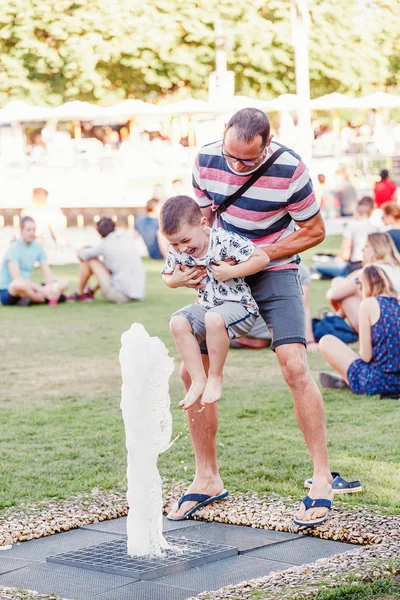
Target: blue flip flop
[
  {"x": 201, "y": 499},
  {"x": 340, "y": 485},
  {"x": 314, "y": 503}
]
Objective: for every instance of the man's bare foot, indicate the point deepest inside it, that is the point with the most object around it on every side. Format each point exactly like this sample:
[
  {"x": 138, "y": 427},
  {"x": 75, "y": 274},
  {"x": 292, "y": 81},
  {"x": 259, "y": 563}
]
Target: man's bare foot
[
  {"x": 195, "y": 392},
  {"x": 213, "y": 390},
  {"x": 321, "y": 488},
  {"x": 211, "y": 488}
]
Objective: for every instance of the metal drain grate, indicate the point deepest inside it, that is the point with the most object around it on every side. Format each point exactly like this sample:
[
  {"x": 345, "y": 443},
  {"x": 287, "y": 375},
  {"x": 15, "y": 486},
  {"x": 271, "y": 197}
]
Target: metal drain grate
[{"x": 111, "y": 557}]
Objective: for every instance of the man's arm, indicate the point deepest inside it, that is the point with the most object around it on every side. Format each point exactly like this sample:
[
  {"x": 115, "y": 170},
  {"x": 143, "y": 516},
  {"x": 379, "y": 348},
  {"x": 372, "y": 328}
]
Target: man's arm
[
  {"x": 310, "y": 234},
  {"x": 89, "y": 252},
  {"x": 13, "y": 268},
  {"x": 47, "y": 274}
]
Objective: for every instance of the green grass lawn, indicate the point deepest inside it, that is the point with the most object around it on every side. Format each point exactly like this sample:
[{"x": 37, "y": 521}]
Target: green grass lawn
[{"x": 62, "y": 431}]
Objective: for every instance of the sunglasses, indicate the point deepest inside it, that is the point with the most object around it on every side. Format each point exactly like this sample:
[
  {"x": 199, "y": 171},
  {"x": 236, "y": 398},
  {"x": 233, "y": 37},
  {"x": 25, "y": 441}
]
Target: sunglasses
[{"x": 242, "y": 161}]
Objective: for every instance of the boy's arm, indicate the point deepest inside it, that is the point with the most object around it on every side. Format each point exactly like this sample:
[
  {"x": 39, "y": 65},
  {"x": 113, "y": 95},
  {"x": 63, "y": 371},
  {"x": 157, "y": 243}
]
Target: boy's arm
[{"x": 255, "y": 263}]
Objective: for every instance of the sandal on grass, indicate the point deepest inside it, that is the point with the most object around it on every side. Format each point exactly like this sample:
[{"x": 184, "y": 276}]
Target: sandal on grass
[
  {"x": 340, "y": 485},
  {"x": 314, "y": 503}
]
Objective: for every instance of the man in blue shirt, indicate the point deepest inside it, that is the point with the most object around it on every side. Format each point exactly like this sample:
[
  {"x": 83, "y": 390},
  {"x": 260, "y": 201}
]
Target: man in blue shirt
[
  {"x": 148, "y": 226},
  {"x": 16, "y": 271}
]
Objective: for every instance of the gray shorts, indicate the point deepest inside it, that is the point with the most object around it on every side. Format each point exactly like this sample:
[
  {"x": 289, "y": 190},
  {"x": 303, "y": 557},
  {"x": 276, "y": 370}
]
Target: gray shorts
[
  {"x": 238, "y": 320},
  {"x": 279, "y": 296}
]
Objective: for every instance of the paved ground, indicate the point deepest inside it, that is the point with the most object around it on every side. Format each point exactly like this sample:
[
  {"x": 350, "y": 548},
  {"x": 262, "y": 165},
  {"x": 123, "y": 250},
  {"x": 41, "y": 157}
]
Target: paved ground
[{"x": 260, "y": 552}]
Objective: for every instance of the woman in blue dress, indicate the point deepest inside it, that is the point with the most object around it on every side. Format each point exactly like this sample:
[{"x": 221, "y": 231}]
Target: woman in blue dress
[{"x": 376, "y": 369}]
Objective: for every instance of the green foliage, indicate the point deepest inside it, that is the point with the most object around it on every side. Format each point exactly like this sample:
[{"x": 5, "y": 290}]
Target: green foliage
[
  {"x": 380, "y": 589},
  {"x": 55, "y": 50}
]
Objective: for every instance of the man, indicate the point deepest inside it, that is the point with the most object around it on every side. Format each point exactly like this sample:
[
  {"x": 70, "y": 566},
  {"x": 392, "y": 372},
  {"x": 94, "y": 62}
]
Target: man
[
  {"x": 280, "y": 214},
  {"x": 147, "y": 225},
  {"x": 17, "y": 267},
  {"x": 120, "y": 275}
]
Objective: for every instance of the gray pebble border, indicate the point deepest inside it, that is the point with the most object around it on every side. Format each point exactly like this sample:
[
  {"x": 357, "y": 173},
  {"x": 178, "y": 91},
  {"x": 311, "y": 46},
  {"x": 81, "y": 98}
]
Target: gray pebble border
[{"x": 379, "y": 534}]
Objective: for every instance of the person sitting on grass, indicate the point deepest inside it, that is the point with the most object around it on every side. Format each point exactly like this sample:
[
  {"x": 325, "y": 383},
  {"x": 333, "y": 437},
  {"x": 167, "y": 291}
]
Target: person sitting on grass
[
  {"x": 120, "y": 275},
  {"x": 225, "y": 308},
  {"x": 344, "y": 293},
  {"x": 376, "y": 370},
  {"x": 349, "y": 257},
  {"x": 16, "y": 271},
  {"x": 391, "y": 218},
  {"x": 147, "y": 226}
]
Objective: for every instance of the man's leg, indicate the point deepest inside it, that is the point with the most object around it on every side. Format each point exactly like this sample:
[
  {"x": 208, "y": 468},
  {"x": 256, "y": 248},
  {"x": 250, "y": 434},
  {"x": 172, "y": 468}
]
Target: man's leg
[
  {"x": 310, "y": 414},
  {"x": 203, "y": 425},
  {"x": 85, "y": 273},
  {"x": 26, "y": 289}
]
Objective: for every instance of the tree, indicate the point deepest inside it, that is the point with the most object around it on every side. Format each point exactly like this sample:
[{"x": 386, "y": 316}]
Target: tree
[{"x": 105, "y": 50}]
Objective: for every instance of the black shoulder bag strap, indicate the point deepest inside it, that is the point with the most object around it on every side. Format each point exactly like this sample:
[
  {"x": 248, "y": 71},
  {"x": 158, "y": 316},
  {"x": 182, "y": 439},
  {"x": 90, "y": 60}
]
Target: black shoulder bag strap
[{"x": 256, "y": 175}]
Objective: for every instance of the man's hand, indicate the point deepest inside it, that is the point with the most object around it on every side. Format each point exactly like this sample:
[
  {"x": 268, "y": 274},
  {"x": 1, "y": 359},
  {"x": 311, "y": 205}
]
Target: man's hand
[
  {"x": 184, "y": 276},
  {"x": 222, "y": 270}
]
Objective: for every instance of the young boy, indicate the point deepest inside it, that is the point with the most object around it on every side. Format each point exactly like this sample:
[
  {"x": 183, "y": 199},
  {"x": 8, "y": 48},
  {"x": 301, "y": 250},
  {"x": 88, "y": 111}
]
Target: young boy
[{"x": 225, "y": 308}]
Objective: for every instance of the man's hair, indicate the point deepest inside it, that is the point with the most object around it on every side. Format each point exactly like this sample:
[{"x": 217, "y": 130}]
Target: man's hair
[
  {"x": 384, "y": 174},
  {"x": 26, "y": 220},
  {"x": 105, "y": 226},
  {"x": 365, "y": 206},
  {"x": 179, "y": 210},
  {"x": 249, "y": 123},
  {"x": 152, "y": 204}
]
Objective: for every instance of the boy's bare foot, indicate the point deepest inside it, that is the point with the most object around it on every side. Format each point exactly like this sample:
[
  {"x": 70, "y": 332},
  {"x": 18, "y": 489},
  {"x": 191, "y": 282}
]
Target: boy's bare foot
[
  {"x": 194, "y": 393},
  {"x": 213, "y": 390}
]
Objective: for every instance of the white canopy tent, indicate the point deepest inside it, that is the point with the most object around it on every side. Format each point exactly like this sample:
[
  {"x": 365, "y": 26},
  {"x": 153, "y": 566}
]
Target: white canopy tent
[
  {"x": 379, "y": 100},
  {"x": 77, "y": 111},
  {"x": 22, "y": 112},
  {"x": 333, "y": 101},
  {"x": 189, "y": 106},
  {"x": 131, "y": 108}
]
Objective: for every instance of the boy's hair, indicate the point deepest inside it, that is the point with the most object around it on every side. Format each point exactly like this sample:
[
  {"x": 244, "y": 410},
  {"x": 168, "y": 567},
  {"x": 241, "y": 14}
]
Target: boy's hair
[
  {"x": 179, "y": 210},
  {"x": 365, "y": 206},
  {"x": 25, "y": 220},
  {"x": 105, "y": 226},
  {"x": 376, "y": 282}
]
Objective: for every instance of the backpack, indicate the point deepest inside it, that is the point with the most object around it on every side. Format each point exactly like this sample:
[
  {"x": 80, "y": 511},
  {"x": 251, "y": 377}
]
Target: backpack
[{"x": 334, "y": 325}]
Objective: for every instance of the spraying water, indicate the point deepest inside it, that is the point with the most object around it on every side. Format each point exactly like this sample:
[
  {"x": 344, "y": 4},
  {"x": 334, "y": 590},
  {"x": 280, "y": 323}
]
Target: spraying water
[{"x": 145, "y": 404}]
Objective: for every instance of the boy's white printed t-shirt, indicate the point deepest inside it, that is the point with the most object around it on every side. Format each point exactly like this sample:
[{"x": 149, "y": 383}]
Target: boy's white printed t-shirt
[{"x": 222, "y": 245}]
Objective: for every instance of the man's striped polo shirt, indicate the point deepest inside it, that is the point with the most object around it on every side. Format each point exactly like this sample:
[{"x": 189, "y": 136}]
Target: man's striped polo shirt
[{"x": 268, "y": 210}]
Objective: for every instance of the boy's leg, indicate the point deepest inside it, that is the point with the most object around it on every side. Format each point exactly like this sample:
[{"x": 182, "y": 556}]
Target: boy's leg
[
  {"x": 223, "y": 322},
  {"x": 188, "y": 328},
  {"x": 218, "y": 345}
]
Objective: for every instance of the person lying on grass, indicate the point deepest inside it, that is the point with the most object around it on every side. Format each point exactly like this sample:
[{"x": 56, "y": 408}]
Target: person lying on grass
[
  {"x": 376, "y": 369},
  {"x": 224, "y": 309}
]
